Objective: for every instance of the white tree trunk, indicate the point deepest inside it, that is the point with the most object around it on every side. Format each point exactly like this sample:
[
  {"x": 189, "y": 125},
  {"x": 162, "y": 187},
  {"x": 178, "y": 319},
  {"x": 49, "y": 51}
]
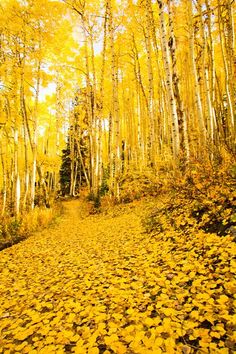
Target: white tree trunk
[{"x": 169, "y": 83}]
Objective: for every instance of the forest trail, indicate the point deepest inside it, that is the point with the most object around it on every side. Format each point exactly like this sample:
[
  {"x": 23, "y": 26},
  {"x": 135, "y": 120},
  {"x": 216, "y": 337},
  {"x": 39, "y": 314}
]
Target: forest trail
[{"x": 98, "y": 284}]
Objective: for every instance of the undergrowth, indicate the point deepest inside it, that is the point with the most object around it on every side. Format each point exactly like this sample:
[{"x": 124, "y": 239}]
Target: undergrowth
[
  {"x": 14, "y": 230},
  {"x": 134, "y": 186},
  {"x": 203, "y": 199}
]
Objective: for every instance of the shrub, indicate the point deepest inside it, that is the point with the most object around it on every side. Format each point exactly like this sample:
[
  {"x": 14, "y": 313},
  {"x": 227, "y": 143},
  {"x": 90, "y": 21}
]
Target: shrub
[
  {"x": 12, "y": 230},
  {"x": 136, "y": 185},
  {"x": 205, "y": 199}
]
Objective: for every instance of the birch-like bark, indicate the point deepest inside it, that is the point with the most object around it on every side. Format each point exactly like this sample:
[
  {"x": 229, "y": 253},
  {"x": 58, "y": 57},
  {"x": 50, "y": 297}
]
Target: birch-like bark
[
  {"x": 141, "y": 96},
  {"x": 34, "y": 140},
  {"x": 197, "y": 90},
  {"x": 4, "y": 180},
  {"x": 95, "y": 131},
  {"x": 228, "y": 77},
  {"x": 147, "y": 35},
  {"x": 38, "y": 169},
  {"x": 115, "y": 158},
  {"x": 158, "y": 82},
  {"x": 17, "y": 187},
  {"x": 26, "y": 177},
  {"x": 182, "y": 122},
  {"x": 59, "y": 87},
  {"x": 89, "y": 107},
  {"x": 16, "y": 176},
  {"x": 211, "y": 66},
  {"x": 169, "y": 83},
  {"x": 25, "y": 134},
  {"x": 209, "y": 112},
  {"x": 101, "y": 111},
  {"x": 72, "y": 159}
]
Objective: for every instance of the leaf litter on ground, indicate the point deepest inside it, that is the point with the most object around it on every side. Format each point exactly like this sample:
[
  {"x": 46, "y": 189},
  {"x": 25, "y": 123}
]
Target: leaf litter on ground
[{"x": 100, "y": 284}]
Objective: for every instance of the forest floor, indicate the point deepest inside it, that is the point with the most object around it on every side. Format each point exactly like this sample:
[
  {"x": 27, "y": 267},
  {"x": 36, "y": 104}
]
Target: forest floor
[{"x": 100, "y": 284}]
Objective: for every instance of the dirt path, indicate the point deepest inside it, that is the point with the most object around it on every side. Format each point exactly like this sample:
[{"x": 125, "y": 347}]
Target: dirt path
[
  {"x": 50, "y": 283},
  {"x": 98, "y": 284}
]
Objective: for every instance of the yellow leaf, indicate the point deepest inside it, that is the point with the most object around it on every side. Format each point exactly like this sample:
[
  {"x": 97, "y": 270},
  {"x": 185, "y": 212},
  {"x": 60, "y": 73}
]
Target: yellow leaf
[
  {"x": 118, "y": 347},
  {"x": 128, "y": 338},
  {"x": 215, "y": 334},
  {"x": 71, "y": 317},
  {"x": 130, "y": 311},
  {"x": 148, "y": 321},
  {"x": 92, "y": 339},
  {"x": 24, "y": 334},
  {"x": 80, "y": 349},
  {"x": 158, "y": 342},
  {"x": 168, "y": 311},
  {"x": 203, "y": 296},
  {"x": 93, "y": 350},
  {"x": 21, "y": 346},
  {"x": 223, "y": 299},
  {"x": 111, "y": 339}
]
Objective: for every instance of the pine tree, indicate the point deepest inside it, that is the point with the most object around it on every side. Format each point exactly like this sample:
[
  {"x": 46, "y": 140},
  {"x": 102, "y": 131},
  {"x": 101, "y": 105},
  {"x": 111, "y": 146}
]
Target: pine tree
[
  {"x": 65, "y": 171},
  {"x": 73, "y": 173}
]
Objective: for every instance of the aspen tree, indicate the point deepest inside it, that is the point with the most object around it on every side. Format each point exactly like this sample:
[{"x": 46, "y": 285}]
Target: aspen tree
[
  {"x": 169, "y": 82},
  {"x": 16, "y": 174},
  {"x": 35, "y": 131},
  {"x": 25, "y": 135},
  {"x": 141, "y": 97},
  {"x": 211, "y": 64},
  {"x": 150, "y": 106},
  {"x": 227, "y": 51},
  {"x": 197, "y": 89},
  {"x": 101, "y": 111},
  {"x": 182, "y": 123},
  {"x": 95, "y": 124},
  {"x": 21, "y": 65},
  {"x": 158, "y": 81},
  {"x": 72, "y": 157},
  {"x": 209, "y": 111},
  {"x": 59, "y": 87},
  {"x": 115, "y": 123},
  {"x": 4, "y": 173}
]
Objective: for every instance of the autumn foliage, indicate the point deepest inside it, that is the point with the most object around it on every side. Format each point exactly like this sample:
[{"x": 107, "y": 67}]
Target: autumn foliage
[
  {"x": 130, "y": 107},
  {"x": 101, "y": 284}
]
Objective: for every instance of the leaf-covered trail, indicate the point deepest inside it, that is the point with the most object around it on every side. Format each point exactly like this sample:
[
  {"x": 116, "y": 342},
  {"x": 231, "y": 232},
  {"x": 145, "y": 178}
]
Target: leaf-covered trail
[
  {"x": 65, "y": 271},
  {"x": 98, "y": 284}
]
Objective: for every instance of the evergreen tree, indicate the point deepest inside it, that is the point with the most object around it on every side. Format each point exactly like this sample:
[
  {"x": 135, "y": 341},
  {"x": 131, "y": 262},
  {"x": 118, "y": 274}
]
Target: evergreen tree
[
  {"x": 65, "y": 171},
  {"x": 73, "y": 174}
]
